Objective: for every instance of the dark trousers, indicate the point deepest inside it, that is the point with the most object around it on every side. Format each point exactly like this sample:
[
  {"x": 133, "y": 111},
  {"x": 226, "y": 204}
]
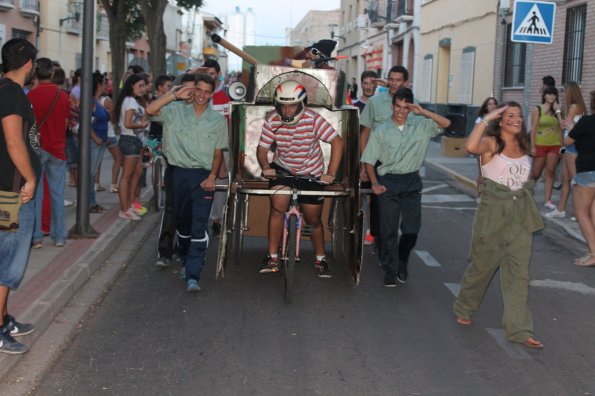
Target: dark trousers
[
  {"x": 400, "y": 207},
  {"x": 167, "y": 234},
  {"x": 193, "y": 206}
]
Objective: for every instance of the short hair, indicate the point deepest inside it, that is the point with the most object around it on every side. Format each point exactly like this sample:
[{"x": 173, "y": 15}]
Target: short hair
[
  {"x": 400, "y": 69},
  {"x": 59, "y": 76},
  {"x": 136, "y": 69},
  {"x": 212, "y": 63},
  {"x": 44, "y": 68},
  {"x": 549, "y": 81},
  {"x": 403, "y": 94},
  {"x": 368, "y": 74},
  {"x": 162, "y": 79},
  {"x": 207, "y": 79},
  {"x": 15, "y": 53},
  {"x": 188, "y": 77}
]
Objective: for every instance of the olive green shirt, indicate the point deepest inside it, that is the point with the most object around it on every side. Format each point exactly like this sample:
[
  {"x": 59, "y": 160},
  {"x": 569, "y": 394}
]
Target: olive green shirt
[
  {"x": 400, "y": 151},
  {"x": 378, "y": 109},
  {"x": 190, "y": 141}
]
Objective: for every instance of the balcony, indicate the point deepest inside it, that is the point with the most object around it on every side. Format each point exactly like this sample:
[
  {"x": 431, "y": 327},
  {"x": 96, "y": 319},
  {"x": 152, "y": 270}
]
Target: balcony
[
  {"x": 6, "y": 5},
  {"x": 73, "y": 26},
  {"x": 29, "y": 8}
]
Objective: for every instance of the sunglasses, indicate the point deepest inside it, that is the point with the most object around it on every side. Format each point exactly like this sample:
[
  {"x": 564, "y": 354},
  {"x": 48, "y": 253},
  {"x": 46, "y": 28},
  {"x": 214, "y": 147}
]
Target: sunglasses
[{"x": 315, "y": 52}]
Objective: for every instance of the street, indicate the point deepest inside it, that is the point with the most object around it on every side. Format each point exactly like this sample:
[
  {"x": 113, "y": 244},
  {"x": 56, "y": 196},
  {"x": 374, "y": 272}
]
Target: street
[{"x": 237, "y": 337}]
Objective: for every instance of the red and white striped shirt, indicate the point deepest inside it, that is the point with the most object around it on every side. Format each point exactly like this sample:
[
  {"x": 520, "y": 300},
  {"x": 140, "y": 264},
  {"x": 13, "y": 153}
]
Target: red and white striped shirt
[{"x": 298, "y": 147}]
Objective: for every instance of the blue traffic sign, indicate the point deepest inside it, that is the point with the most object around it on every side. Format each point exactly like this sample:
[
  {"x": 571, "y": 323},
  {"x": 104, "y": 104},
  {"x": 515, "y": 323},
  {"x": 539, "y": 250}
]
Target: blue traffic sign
[{"x": 533, "y": 22}]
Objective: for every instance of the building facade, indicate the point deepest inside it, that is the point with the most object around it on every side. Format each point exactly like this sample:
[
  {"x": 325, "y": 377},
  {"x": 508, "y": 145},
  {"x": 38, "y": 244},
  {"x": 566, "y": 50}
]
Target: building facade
[
  {"x": 19, "y": 19},
  {"x": 314, "y": 26},
  {"x": 240, "y": 31}
]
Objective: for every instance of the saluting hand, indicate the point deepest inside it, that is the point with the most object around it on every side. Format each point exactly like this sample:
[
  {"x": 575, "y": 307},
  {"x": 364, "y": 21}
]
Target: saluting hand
[{"x": 183, "y": 92}]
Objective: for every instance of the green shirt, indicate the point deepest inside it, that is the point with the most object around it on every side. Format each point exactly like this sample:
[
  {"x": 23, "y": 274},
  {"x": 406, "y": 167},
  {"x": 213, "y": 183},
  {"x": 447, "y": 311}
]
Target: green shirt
[
  {"x": 400, "y": 151},
  {"x": 378, "y": 109},
  {"x": 190, "y": 141}
]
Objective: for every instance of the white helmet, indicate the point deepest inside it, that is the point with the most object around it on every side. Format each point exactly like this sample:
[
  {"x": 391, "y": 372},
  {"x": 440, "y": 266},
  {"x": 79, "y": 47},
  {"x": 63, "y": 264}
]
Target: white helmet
[{"x": 290, "y": 92}]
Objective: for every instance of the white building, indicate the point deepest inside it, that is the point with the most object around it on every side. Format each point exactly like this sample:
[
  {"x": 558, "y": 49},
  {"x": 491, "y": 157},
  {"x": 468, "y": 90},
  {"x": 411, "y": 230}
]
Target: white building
[{"x": 241, "y": 31}]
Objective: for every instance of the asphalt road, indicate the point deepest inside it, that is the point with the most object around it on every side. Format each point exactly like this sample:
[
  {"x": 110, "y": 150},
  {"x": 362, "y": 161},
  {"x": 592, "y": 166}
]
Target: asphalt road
[{"x": 237, "y": 337}]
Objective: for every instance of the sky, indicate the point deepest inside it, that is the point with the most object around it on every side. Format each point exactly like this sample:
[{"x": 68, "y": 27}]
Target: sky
[{"x": 271, "y": 21}]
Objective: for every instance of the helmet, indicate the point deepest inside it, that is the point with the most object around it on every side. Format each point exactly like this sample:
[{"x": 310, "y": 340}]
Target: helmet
[{"x": 290, "y": 92}]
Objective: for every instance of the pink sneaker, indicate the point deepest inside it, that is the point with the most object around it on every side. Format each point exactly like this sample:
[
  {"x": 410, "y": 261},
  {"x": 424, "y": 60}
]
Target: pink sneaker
[{"x": 128, "y": 215}]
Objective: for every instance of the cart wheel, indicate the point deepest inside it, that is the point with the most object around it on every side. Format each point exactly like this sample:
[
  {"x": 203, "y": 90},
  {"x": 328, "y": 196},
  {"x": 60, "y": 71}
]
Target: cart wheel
[
  {"x": 222, "y": 249},
  {"x": 338, "y": 228},
  {"x": 290, "y": 258},
  {"x": 238, "y": 228},
  {"x": 158, "y": 184},
  {"x": 356, "y": 256}
]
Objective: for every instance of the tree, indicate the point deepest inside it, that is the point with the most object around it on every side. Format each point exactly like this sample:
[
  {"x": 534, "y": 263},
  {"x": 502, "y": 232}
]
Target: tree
[
  {"x": 152, "y": 12},
  {"x": 125, "y": 24}
]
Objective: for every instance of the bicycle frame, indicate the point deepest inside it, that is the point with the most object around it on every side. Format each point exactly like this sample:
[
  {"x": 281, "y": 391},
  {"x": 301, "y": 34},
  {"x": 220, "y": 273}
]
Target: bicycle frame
[{"x": 293, "y": 210}]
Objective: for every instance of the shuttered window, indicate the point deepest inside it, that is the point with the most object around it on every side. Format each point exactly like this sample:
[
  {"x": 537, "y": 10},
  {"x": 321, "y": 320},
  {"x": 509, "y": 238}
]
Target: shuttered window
[{"x": 574, "y": 43}]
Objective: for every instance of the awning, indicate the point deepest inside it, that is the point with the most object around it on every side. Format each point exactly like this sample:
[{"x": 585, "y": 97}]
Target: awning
[{"x": 374, "y": 58}]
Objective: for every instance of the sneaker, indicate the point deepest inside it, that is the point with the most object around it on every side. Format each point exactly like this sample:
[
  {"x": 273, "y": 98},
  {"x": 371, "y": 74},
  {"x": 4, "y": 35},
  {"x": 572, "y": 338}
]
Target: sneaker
[
  {"x": 60, "y": 244},
  {"x": 9, "y": 345},
  {"x": 113, "y": 188},
  {"x": 36, "y": 245},
  {"x": 192, "y": 285},
  {"x": 99, "y": 187},
  {"x": 368, "y": 239},
  {"x": 389, "y": 281},
  {"x": 573, "y": 219},
  {"x": 323, "y": 270},
  {"x": 269, "y": 264},
  {"x": 183, "y": 273},
  {"x": 549, "y": 205},
  {"x": 138, "y": 209},
  {"x": 68, "y": 203},
  {"x": 162, "y": 262},
  {"x": 17, "y": 329},
  {"x": 556, "y": 214},
  {"x": 128, "y": 215},
  {"x": 402, "y": 276}
]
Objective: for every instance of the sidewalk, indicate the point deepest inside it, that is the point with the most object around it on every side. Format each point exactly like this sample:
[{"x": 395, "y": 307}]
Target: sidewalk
[
  {"x": 55, "y": 274},
  {"x": 465, "y": 170}
]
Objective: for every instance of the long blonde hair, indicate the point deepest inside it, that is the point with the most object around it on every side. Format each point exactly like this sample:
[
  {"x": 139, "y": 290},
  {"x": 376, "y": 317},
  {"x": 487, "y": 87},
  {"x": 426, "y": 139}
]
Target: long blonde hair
[{"x": 574, "y": 96}]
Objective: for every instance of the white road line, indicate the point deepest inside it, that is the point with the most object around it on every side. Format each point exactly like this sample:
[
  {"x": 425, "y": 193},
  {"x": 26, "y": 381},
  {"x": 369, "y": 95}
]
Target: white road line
[
  {"x": 570, "y": 286},
  {"x": 436, "y": 187},
  {"x": 454, "y": 288},
  {"x": 442, "y": 198},
  {"x": 513, "y": 350},
  {"x": 446, "y": 207},
  {"x": 427, "y": 258}
]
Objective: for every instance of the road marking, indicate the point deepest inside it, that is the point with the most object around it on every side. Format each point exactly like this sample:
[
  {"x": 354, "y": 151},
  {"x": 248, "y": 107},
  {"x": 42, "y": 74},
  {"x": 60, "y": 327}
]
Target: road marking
[
  {"x": 436, "y": 187},
  {"x": 442, "y": 198},
  {"x": 454, "y": 288},
  {"x": 448, "y": 207},
  {"x": 513, "y": 350},
  {"x": 427, "y": 258},
  {"x": 570, "y": 286}
]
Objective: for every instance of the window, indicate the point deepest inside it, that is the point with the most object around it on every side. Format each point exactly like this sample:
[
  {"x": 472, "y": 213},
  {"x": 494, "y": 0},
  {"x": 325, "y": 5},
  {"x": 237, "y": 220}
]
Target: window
[
  {"x": 514, "y": 70},
  {"x": 574, "y": 43},
  {"x": 426, "y": 94},
  {"x": 467, "y": 74},
  {"x": 20, "y": 34}
]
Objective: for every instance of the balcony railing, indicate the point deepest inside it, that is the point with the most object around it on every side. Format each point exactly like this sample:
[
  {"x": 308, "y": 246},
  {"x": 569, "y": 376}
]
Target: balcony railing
[
  {"x": 102, "y": 28},
  {"x": 29, "y": 8},
  {"x": 6, "y": 5},
  {"x": 72, "y": 25}
]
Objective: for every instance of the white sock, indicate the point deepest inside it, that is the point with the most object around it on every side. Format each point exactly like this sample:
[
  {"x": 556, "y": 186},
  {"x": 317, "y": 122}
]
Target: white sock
[
  {"x": 319, "y": 258},
  {"x": 274, "y": 255}
]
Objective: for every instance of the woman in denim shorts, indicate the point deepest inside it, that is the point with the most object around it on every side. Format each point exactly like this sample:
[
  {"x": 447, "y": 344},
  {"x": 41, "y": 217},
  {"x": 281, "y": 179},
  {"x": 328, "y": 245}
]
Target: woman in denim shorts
[
  {"x": 130, "y": 116},
  {"x": 583, "y": 136},
  {"x": 112, "y": 143}
]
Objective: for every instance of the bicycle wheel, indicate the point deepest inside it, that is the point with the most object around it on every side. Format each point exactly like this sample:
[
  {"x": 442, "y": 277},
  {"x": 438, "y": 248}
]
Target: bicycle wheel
[
  {"x": 238, "y": 228},
  {"x": 157, "y": 184},
  {"x": 290, "y": 259}
]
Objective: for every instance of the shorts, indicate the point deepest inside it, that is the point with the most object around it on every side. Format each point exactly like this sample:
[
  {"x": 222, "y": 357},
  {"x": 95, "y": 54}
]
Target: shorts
[
  {"x": 130, "y": 146},
  {"x": 542, "y": 151},
  {"x": 112, "y": 141},
  {"x": 302, "y": 184},
  {"x": 72, "y": 151},
  {"x": 571, "y": 149},
  {"x": 585, "y": 179}
]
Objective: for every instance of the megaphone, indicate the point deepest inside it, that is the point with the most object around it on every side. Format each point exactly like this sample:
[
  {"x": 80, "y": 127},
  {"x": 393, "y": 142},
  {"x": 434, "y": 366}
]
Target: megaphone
[{"x": 237, "y": 91}]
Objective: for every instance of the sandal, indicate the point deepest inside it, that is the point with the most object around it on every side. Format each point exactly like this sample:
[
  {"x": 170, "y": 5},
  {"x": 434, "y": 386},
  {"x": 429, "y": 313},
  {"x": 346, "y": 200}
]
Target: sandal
[
  {"x": 464, "y": 322},
  {"x": 531, "y": 342},
  {"x": 97, "y": 209},
  {"x": 586, "y": 261}
]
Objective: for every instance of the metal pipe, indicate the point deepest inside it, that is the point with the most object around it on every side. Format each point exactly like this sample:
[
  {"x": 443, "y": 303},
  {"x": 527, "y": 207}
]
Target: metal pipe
[{"x": 230, "y": 47}]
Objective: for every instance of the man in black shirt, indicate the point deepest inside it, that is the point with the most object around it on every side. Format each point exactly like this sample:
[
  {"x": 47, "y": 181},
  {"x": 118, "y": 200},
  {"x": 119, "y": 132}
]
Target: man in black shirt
[{"x": 19, "y": 171}]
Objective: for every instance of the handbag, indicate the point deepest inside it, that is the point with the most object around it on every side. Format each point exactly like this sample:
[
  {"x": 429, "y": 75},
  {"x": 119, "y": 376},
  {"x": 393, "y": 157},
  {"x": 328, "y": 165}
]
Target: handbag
[{"x": 10, "y": 204}]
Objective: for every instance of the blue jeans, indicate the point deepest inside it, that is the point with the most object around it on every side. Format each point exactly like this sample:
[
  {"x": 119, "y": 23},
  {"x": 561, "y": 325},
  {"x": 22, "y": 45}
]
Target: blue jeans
[
  {"x": 15, "y": 247},
  {"x": 193, "y": 206},
  {"x": 54, "y": 170},
  {"x": 97, "y": 152}
]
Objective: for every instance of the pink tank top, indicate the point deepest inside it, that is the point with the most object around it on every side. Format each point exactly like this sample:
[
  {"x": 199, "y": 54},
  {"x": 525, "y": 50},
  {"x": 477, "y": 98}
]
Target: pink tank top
[{"x": 510, "y": 172}]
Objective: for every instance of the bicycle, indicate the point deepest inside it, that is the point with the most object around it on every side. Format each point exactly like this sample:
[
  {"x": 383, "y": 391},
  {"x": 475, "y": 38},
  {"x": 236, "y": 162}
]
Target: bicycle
[
  {"x": 292, "y": 231},
  {"x": 158, "y": 164}
]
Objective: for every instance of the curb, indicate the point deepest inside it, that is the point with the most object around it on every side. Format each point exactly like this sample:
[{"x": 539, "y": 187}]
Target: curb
[{"x": 45, "y": 308}]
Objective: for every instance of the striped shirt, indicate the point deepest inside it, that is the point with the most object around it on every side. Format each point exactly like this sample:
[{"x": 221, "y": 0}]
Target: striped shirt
[{"x": 298, "y": 147}]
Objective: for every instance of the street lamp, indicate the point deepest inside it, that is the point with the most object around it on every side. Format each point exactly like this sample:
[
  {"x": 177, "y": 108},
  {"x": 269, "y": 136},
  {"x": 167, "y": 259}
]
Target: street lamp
[
  {"x": 76, "y": 15},
  {"x": 333, "y": 27}
]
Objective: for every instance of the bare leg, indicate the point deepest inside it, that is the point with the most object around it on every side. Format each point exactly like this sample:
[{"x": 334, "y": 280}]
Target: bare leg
[
  {"x": 551, "y": 161},
  {"x": 115, "y": 152},
  {"x": 124, "y": 188},
  {"x": 279, "y": 205},
  {"x": 585, "y": 213},
  {"x": 312, "y": 215}
]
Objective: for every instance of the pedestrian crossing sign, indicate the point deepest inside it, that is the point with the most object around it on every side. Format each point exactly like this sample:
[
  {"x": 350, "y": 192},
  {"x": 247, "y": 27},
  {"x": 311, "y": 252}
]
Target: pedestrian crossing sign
[{"x": 533, "y": 22}]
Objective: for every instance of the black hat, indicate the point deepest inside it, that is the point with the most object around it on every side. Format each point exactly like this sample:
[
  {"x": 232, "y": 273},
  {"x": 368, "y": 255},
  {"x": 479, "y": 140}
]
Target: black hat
[{"x": 326, "y": 47}]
